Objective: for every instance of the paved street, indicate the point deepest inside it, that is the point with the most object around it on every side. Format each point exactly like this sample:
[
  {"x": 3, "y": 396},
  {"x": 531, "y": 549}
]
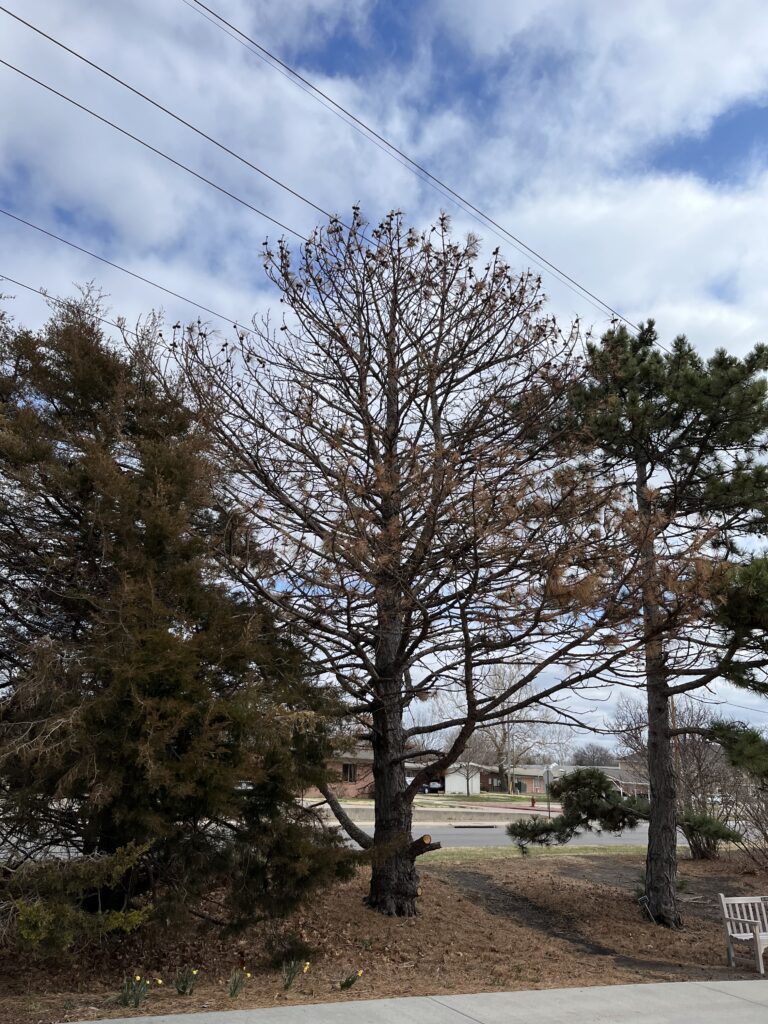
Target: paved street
[
  {"x": 450, "y": 835},
  {"x": 494, "y": 835}
]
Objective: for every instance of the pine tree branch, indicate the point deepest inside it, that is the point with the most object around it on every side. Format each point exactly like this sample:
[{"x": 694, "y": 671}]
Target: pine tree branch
[{"x": 353, "y": 831}]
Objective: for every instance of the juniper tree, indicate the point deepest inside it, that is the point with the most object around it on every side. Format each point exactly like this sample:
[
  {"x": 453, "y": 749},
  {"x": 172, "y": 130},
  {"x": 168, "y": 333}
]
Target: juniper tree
[
  {"x": 144, "y": 704},
  {"x": 407, "y": 469},
  {"x": 686, "y": 435}
]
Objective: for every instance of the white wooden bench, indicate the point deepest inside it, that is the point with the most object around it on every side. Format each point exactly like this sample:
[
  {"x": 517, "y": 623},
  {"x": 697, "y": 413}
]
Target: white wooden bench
[{"x": 746, "y": 920}]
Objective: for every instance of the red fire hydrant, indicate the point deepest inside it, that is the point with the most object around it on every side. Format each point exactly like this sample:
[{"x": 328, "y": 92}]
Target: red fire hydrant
[{"x": 533, "y": 801}]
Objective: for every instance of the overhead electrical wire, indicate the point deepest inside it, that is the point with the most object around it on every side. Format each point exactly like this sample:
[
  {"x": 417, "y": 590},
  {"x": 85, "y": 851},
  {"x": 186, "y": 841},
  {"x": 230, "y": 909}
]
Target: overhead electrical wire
[
  {"x": 63, "y": 302},
  {"x": 124, "y": 270},
  {"x": 170, "y": 113},
  {"x": 423, "y": 172},
  {"x": 307, "y": 86},
  {"x": 154, "y": 149},
  {"x": 326, "y": 101}
]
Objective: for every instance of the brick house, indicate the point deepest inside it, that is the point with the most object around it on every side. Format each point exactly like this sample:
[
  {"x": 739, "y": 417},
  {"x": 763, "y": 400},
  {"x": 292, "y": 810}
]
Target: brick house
[{"x": 351, "y": 773}]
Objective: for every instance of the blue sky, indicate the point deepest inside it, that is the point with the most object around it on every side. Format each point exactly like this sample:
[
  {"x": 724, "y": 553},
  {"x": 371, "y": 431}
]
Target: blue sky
[
  {"x": 727, "y": 152},
  {"x": 627, "y": 146},
  {"x": 627, "y": 143}
]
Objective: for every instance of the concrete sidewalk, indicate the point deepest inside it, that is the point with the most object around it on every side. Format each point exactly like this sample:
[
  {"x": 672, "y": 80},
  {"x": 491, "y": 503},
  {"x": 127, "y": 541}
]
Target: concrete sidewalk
[{"x": 708, "y": 1002}]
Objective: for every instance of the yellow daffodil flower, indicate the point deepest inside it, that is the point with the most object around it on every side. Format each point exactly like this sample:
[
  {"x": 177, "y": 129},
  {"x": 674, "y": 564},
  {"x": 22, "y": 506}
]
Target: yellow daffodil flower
[
  {"x": 306, "y": 966},
  {"x": 359, "y": 974},
  {"x": 247, "y": 974},
  {"x": 195, "y": 971},
  {"x": 137, "y": 977}
]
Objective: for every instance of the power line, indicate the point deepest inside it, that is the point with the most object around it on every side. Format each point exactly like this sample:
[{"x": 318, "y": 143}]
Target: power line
[
  {"x": 326, "y": 101},
  {"x": 274, "y": 61},
  {"x": 124, "y": 270},
  {"x": 63, "y": 302},
  {"x": 730, "y": 704},
  {"x": 170, "y": 113},
  {"x": 276, "y": 67},
  {"x": 154, "y": 149}
]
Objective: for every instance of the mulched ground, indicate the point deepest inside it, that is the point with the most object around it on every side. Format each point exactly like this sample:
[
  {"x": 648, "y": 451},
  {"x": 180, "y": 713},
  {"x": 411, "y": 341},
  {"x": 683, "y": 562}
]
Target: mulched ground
[{"x": 543, "y": 922}]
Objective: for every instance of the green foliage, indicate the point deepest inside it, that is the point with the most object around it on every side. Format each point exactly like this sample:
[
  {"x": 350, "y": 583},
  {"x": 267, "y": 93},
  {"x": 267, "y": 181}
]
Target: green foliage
[
  {"x": 236, "y": 983},
  {"x": 53, "y": 927},
  {"x": 675, "y": 410},
  {"x": 706, "y": 834},
  {"x": 46, "y": 901},
  {"x": 685, "y": 436},
  {"x": 133, "y": 991},
  {"x": 147, "y": 703},
  {"x": 742, "y": 610},
  {"x": 186, "y": 979},
  {"x": 590, "y": 802},
  {"x": 290, "y": 971},
  {"x": 350, "y": 980},
  {"x": 539, "y": 831},
  {"x": 745, "y": 747}
]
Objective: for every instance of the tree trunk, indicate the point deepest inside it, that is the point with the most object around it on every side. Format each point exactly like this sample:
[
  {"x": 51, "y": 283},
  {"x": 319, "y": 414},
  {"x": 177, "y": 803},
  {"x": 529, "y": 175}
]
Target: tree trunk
[
  {"x": 661, "y": 858},
  {"x": 394, "y": 879}
]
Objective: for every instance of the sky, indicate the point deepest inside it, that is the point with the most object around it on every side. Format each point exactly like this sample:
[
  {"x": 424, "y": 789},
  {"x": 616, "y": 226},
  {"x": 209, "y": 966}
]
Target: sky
[{"x": 628, "y": 144}]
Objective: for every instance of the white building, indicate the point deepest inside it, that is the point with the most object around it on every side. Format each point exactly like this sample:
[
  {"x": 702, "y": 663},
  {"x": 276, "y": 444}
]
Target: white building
[{"x": 463, "y": 779}]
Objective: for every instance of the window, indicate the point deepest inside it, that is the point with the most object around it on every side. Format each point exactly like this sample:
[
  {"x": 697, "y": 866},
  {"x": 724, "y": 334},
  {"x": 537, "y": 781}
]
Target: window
[{"x": 349, "y": 773}]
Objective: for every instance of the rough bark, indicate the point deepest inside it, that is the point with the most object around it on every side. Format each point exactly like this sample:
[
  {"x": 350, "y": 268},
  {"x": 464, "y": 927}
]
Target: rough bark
[
  {"x": 661, "y": 858},
  {"x": 394, "y": 880}
]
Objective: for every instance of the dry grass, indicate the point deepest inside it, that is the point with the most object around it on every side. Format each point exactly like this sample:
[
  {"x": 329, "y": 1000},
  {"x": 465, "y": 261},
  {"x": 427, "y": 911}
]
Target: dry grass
[
  {"x": 489, "y": 920},
  {"x": 482, "y": 854}
]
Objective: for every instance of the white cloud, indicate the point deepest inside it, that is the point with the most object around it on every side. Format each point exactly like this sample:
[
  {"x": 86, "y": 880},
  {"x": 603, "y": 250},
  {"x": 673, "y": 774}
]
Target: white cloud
[
  {"x": 573, "y": 88},
  {"x": 600, "y": 80}
]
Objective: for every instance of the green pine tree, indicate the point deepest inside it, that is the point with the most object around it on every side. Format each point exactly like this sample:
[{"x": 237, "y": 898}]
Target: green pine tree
[
  {"x": 146, "y": 706},
  {"x": 682, "y": 436}
]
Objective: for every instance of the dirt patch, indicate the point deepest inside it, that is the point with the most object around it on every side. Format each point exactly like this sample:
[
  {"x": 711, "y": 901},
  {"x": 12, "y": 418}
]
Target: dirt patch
[
  {"x": 700, "y": 881},
  {"x": 542, "y": 922}
]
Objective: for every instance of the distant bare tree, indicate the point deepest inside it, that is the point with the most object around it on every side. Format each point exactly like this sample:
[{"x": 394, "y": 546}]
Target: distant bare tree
[
  {"x": 555, "y": 744},
  {"x": 592, "y": 755},
  {"x": 523, "y": 735},
  {"x": 706, "y": 784}
]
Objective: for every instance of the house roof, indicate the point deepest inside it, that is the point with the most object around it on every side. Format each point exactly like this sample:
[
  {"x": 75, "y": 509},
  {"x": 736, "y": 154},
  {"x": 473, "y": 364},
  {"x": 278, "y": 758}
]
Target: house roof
[
  {"x": 618, "y": 773},
  {"x": 362, "y": 753}
]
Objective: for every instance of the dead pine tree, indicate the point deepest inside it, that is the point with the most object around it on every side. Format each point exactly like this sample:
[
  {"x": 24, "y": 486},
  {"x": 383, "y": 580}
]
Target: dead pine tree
[{"x": 406, "y": 474}]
